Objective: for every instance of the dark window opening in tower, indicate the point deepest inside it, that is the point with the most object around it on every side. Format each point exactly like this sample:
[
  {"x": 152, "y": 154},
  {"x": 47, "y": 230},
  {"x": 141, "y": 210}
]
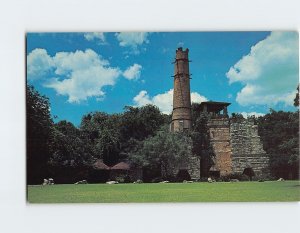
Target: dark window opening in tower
[{"x": 181, "y": 125}]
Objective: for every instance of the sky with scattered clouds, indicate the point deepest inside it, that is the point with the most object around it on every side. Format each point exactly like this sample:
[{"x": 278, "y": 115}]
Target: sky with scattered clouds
[{"x": 96, "y": 71}]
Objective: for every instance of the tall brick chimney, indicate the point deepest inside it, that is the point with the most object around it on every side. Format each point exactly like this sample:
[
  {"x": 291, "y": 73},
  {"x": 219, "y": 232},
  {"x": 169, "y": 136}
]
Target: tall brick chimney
[{"x": 181, "y": 116}]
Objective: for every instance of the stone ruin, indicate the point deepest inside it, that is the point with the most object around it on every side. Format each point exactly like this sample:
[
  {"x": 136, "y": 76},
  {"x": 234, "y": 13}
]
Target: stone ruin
[
  {"x": 236, "y": 146},
  {"x": 247, "y": 149}
]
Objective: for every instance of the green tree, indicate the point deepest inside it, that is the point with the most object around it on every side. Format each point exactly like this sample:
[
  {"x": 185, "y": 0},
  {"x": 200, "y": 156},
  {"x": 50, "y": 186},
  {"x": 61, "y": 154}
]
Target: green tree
[
  {"x": 141, "y": 122},
  {"x": 101, "y": 132},
  {"x": 279, "y": 132},
  {"x": 200, "y": 137},
  {"x": 38, "y": 130},
  {"x": 237, "y": 117},
  {"x": 163, "y": 151},
  {"x": 138, "y": 123},
  {"x": 67, "y": 148}
]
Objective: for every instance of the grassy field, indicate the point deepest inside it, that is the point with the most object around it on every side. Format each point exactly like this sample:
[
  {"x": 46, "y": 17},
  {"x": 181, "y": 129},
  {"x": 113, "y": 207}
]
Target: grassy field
[{"x": 170, "y": 192}]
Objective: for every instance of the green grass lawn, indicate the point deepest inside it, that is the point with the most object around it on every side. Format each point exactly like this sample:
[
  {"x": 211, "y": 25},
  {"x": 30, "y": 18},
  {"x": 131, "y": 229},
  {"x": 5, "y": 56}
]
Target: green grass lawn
[{"x": 170, "y": 192}]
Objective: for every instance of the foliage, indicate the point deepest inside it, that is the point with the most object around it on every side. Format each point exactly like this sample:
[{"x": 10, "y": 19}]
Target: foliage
[
  {"x": 139, "y": 123},
  {"x": 279, "y": 132},
  {"x": 66, "y": 147},
  {"x": 102, "y": 133},
  {"x": 112, "y": 137},
  {"x": 200, "y": 137},
  {"x": 39, "y": 126},
  {"x": 163, "y": 151},
  {"x": 239, "y": 176},
  {"x": 141, "y": 135},
  {"x": 264, "y": 177},
  {"x": 237, "y": 117}
]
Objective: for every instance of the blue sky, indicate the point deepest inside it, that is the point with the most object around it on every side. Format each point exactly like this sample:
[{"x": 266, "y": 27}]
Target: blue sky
[{"x": 85, "y": 72}]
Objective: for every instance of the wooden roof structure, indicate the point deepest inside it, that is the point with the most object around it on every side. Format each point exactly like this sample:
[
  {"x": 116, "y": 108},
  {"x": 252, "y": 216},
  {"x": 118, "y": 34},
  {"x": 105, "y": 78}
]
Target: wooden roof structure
[
  {"x": 121, "y": 166},
  {"x": 99, "y": 165},
  {"x": 212, "y": 106}
]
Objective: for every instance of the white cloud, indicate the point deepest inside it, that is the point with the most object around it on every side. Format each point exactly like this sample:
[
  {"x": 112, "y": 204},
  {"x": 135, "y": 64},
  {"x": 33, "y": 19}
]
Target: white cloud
[
  {"x": 163, "y": 101},
  {"x": 87, "y": 73},
  {"x": 197, "y": 98},
  {"x": 133, "y": 72},
  {"x": 247, "y": 114},
  {"x": 78, "y": 75},
  {"x": 65, "y": 62},
  {"x": 97, "y": 36},
  {"x": 38, "y": 64},
  {"x": 142, "y": 98},
  {"x": 270, "y": 72},
  {"x": 132, "y": 39}
]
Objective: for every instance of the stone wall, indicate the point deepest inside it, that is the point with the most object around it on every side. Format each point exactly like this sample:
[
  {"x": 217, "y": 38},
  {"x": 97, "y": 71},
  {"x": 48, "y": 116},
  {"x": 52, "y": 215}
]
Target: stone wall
[
  {"x": 220, "y": 141},
  {"x": 236, "y": 146},
  {"x": 193, "y": 167},
  {"x": 190, "y": 164},
  {"x": 247, "y": 148}
]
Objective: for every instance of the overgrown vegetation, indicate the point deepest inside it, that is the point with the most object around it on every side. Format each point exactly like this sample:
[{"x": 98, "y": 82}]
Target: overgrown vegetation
[
  {"x": 139, "y": 135},
  {"x": 38, "y": 131},
  {"x": 199, "y": 134},
  {"x": 64, "y": 151},
  {"x": 161, "y": 152},
  {"x": 279, "y": 132}
]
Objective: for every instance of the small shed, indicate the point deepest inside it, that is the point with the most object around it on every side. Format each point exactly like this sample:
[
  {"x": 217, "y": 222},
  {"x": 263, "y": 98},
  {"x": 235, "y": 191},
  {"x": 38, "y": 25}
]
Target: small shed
[
  {"x": 99, "y": 165},
  {"x": 120, "y": 172},
  {"x": 99, "y": 172}
]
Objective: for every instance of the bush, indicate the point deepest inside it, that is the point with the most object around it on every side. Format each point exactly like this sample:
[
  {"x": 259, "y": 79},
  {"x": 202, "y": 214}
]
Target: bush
[
  {"x": 120, "y": 179},
  {"x": 203, "y": 179},
  {"x": 263, "y": 177},
  {"x": 156, "y": 180},
  {"x": 239, "y": 176}
]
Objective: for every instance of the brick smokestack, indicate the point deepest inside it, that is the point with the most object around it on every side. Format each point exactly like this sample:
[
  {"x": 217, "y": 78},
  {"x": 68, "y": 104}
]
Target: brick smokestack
[{"x": 181, "y": 116}]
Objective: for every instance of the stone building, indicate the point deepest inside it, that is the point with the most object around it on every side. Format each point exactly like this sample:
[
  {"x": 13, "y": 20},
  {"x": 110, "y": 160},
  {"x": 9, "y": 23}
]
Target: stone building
[
  {"x": 219, "y": 137},
  {"x": 236, "y": 145}
]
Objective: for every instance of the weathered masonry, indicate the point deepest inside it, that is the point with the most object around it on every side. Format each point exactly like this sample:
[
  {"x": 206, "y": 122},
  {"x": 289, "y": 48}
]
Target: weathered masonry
[
  {"x": 236, "y": 145},
  {"x": 248, "y": 155},
  {"x": 181, "y": 116},
  {"x": 219, "y": 135}
]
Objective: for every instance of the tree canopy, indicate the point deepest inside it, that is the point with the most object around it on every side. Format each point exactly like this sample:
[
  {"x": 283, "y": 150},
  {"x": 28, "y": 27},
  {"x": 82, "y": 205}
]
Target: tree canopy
[
  {"x": 163, "y": 151},
  {"x": 140, "y": 135},
  {"x": 279, "y": 132},
  {"x": 39, "y": 125}
]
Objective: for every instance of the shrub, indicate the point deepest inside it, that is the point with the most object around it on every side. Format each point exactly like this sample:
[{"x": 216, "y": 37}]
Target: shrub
[
  {"x": 263, "y": 177},
  {"x": 239, "y": 176}
]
